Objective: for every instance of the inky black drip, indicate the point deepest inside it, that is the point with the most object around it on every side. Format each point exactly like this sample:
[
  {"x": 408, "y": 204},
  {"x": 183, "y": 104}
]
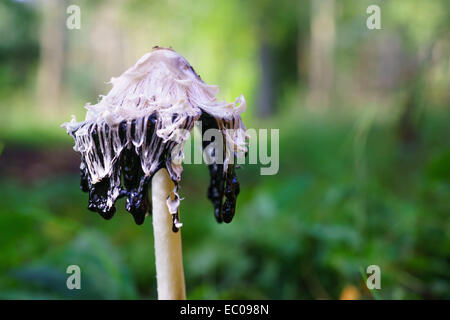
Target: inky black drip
[
  {"x": 100, "y": 192},
  {"x": 135, "y": 185},
  {"x": 128, "y": 179},
  {"x": 221, "y": 183}
]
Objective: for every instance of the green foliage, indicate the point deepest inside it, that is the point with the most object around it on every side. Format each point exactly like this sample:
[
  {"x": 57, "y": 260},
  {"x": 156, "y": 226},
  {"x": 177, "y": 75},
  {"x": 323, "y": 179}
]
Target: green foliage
[
  {"x": 19, "y": 47},
  {"x": 350, "y": 191},
  {"x": 304, "y": 233}
]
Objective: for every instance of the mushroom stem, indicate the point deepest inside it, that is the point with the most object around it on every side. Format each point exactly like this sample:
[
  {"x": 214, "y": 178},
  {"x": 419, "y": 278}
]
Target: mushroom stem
[{"x": 168, "y": 254}]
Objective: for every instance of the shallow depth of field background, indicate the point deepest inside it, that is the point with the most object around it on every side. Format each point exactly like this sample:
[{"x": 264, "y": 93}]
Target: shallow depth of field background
[{"x": 364, "y": 124}]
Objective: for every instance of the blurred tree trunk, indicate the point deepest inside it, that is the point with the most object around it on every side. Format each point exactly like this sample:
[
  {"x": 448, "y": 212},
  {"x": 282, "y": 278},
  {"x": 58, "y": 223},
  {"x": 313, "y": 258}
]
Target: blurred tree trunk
[
  {"x": 107, "y": 45},
  {"x": 321, "y": 59},
  {"x": 279, "y": 24},
  {"x": 52, "y": 56},
  {"x": 409, "y": 122},
  {"x": 266, "y": 87}
]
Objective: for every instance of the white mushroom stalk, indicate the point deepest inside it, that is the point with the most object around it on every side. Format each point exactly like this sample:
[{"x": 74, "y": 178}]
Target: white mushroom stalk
[{"x": 141, "y": 126}]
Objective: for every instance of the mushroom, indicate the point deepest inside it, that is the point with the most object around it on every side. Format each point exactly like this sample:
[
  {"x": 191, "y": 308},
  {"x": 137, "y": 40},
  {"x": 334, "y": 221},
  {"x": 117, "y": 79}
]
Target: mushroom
[{"x": 139, "y": 128}]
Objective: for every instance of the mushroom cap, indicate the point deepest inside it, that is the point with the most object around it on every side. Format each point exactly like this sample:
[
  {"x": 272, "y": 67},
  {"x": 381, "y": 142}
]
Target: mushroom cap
[{"x": 141, "y": 125}]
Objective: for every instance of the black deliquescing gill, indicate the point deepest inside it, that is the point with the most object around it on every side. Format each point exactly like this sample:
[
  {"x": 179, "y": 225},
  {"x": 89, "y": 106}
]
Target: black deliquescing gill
[
  {"x": 134, "y": 131},
  {"x": 221, "y": 183},
  {"x": 127, "y": 178}
]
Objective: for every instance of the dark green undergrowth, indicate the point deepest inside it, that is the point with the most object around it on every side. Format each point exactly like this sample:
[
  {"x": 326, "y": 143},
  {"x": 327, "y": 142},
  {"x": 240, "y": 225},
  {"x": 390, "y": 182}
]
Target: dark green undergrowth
[{"x": 348, "y": 194}]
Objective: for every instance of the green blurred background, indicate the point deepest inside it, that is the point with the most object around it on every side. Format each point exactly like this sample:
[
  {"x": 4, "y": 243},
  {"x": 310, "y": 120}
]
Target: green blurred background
[{"x": 364, "y": 148}]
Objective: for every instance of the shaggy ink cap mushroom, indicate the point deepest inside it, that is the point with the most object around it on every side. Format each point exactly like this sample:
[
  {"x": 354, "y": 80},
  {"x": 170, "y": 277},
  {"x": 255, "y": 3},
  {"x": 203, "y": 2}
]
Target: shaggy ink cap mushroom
[{"x": 140, "y": 127}]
